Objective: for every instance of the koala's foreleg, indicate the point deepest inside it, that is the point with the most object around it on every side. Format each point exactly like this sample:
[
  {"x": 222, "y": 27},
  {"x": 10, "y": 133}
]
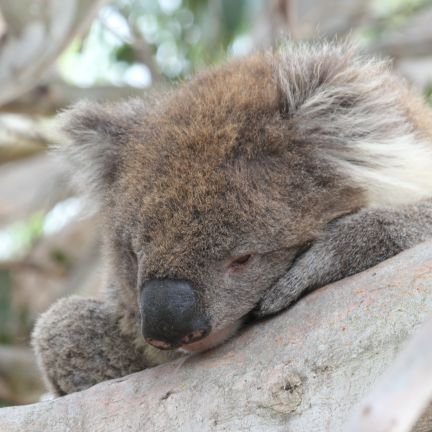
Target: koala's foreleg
[
  {"x": 79, "y": 343},
  {"x": 350, "y": 245}
]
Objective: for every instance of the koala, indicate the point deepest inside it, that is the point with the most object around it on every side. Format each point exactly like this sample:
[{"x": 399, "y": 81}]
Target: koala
[{"x": 232, "y": 196}]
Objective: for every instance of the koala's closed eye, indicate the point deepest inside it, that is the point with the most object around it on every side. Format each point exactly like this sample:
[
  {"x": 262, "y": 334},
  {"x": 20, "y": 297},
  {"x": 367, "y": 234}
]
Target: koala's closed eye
[{"x": 239, "y": 262}]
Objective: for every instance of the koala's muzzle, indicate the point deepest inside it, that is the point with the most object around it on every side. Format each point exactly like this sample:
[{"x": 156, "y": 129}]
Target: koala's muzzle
[{"x": 171, "y": 314}]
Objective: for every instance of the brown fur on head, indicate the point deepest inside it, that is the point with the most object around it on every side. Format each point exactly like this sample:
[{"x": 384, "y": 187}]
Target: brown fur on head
[{"x": 254, "y": 158}]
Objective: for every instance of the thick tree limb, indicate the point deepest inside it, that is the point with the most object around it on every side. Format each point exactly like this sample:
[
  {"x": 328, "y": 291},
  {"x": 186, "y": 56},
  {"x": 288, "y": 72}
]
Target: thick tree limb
[{"x": 300, "y": 371}]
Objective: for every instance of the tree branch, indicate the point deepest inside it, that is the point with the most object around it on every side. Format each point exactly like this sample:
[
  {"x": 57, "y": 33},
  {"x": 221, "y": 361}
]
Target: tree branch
[
  {"x": 36, "y": 33},
  {"x": 24, "y": 265},
  {"x": 47, "y": 99},
  {"x": 302, "y": 370}
]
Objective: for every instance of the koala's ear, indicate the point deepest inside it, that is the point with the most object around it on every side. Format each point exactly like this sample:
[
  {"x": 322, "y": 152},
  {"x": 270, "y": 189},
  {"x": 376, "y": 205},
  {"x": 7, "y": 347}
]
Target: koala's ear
[{"x": 92, "y": 136}]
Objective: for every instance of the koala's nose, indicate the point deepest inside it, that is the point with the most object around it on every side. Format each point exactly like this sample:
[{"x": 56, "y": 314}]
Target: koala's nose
[{"x": 171, "y": 314}]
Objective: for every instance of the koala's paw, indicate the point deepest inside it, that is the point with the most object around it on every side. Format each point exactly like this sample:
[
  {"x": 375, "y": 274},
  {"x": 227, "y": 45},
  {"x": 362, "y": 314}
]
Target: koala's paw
[
  {"x": 300, "y": 278},
  {"x": 78, "y": 343},
  {"x": 349, "y": 245}
]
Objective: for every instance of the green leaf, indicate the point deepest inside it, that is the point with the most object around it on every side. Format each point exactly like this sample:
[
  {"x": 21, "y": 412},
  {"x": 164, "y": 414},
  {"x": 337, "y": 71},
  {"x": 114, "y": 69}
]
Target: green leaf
[{"x": 125, "y": 53}]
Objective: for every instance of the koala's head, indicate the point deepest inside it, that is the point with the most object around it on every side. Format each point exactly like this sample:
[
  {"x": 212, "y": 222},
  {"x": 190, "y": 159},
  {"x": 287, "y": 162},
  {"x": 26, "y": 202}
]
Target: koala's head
[{"x": 207, "y": 194}]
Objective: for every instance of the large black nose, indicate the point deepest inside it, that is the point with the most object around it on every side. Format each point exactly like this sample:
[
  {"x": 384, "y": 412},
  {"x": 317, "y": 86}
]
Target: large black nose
[{"x": 171, "y": 313}]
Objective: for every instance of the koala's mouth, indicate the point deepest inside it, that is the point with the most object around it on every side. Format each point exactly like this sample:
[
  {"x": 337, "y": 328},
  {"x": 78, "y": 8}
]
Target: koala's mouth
[{"x": 215, "y": 338}]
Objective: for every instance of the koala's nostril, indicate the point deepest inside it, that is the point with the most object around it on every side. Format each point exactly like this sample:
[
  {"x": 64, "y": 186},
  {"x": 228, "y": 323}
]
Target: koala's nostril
[{"x": 171, "y": 313}]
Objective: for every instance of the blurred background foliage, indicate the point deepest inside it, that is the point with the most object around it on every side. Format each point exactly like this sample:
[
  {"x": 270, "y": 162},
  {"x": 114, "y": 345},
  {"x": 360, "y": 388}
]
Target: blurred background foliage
[{"x": 47, "y": 248}]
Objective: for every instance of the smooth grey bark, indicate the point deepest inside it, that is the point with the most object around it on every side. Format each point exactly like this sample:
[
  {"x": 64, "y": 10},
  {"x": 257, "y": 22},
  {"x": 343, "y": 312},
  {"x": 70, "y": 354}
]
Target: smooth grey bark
[
  {"x": 301, "y": 371},
  {"x": 403, "y": 393}
]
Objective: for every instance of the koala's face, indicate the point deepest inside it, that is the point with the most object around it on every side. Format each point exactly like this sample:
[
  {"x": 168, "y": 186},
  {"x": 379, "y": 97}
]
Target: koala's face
[
  {"x": 207, "y": 198},
  {"x": 199, "y": 250}
]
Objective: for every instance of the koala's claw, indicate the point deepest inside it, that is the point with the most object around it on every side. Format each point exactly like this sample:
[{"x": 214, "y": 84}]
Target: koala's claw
[
  {"x": 271, "y": 305},
  {"x": 284, "y": 292}
]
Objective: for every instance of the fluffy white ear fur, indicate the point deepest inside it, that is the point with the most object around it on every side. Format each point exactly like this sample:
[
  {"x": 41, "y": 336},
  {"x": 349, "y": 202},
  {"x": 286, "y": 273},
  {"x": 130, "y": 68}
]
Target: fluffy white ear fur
[
  {"x": 92, "y": 137},
  {"x": 352, "y": 109},
  {"x": 396, "y": 171}
]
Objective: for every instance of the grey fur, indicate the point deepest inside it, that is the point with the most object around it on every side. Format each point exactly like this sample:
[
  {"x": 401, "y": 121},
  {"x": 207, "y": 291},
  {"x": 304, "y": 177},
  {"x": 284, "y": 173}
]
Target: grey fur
[
  {"x": 350, "y": 245},
  {"x": 314, "y": 160},
  {"x": 78, "y": 343}
]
